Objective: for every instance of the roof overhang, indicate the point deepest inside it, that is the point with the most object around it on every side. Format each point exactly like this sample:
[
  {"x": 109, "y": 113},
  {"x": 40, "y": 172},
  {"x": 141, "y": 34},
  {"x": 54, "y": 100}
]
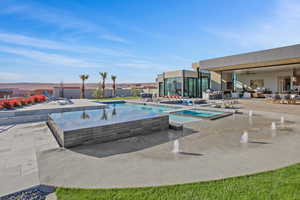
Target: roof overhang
[
  {"x": 266, "y": 58},
  {"x": 291, "y": 61}
]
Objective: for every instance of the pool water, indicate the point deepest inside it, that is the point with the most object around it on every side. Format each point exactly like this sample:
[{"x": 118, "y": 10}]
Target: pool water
[
  {"x": 159, "y": 110},
  {"x": 198, "y": 113},
  {"x": 121, "y": 112},
  {"x": 91, "y": 118}
]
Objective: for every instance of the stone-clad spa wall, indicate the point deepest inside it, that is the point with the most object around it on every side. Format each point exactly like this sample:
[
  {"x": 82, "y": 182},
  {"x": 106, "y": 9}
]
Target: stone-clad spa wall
[{"x": 109, "y": 132}]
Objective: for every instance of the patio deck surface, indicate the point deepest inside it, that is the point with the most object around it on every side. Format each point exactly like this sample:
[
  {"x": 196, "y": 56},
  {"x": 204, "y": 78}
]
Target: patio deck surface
[
  {"x": 262, "y": 105},
  {"x": 208, "y": 150},
  {"x": 29, "y": 154},
  {"x": 19, "y": 145}
]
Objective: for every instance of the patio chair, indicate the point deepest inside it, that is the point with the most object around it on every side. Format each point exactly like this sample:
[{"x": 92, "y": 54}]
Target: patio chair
[
  {"x": 292, "y": 99},
  {"x": 276, "y": 99},
  {"x": 297, "y": 99},
  {"x": 286, "y": 99}
]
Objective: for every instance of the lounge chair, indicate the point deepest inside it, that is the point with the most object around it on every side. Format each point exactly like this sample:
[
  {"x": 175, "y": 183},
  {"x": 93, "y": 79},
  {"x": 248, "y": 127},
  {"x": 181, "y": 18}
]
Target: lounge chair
[
  {"x": 286, "y": 99},
  {"x": 276, "y": 99}
]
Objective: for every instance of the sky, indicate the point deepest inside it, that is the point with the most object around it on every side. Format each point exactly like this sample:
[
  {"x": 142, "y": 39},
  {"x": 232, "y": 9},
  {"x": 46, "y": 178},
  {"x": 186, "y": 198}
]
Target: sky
[{"x": 54, "y": 40}]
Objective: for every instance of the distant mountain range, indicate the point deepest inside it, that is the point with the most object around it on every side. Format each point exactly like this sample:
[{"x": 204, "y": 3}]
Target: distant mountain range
[{"x": 34, "y": 86}]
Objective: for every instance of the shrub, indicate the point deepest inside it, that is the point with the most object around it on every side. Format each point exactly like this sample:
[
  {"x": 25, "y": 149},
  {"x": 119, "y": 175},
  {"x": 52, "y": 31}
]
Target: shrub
[
  {"x": 36, "y": 99},
  {"x": 7, "y": 105},
  {"x": 23, "y": 102},
  {"x": 15, "y": 103},
  {"x": 28, "y": 101},
  {"x": 97, "y": 93}
]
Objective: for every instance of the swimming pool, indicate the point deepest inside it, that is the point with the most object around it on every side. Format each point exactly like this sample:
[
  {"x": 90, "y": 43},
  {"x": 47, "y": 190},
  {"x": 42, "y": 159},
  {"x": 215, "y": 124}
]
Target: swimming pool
[
  {"x": 115, "y": 122},
  {"x": 100, "y": 117},
  {"x": 118, "y": 120},
  {"x": 156, "y": 109}
]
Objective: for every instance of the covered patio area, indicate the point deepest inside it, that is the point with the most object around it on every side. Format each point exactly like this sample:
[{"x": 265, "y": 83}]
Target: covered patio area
[
  {"x": 269, "y": 73},
  {"x": 263, "y": 81}
]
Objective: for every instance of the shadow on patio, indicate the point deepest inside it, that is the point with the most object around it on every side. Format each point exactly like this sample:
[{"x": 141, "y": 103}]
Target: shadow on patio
[{"x": 133, "y": 144}]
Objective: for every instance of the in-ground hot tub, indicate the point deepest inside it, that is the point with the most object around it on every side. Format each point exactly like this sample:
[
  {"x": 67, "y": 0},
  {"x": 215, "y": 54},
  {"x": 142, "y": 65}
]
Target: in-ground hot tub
[{"x": 103, "y": 125}]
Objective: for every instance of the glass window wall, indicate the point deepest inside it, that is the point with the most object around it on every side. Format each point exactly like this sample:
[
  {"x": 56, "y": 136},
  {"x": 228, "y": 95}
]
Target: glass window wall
[
  {"x": 173, "y": 86},
  {"x": 190, "y": 87},
  {"x": 203, "y": 82},
  {"x": 161, "y": 89}
]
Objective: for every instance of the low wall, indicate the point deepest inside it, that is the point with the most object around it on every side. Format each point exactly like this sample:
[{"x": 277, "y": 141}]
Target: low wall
[{"x": 109, "y": 132}]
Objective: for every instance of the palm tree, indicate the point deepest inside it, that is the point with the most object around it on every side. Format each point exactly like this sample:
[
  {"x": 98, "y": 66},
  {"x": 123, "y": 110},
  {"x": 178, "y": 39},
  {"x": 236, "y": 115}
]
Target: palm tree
[
  {"x": 83, "y": 77},
  {"x": 113, "y": 78},
  {"x": 103, "y": 76}
]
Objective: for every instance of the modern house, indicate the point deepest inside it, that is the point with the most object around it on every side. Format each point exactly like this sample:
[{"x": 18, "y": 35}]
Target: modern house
[
  {"x": 273, "y": 70},
  {"x": 185, "y": 83}
]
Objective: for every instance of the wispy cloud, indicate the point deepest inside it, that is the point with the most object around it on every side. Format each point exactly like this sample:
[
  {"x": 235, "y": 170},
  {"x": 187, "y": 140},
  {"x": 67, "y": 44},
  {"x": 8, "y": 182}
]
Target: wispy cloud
[
  {"x": 61, "y": 18},
  {"x": 144, "y": 64},
  {"x": 22, "y": 40},
  {"x": 114, "y": 38},
  {"x": 49, "y": 58},
  {"x": 280, "y": 29},
  {"x": 37, "y": 49}
]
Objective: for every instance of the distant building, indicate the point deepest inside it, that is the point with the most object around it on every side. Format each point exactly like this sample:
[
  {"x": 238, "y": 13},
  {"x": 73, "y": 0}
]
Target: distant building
[
  {"x": 5, "y": 93},
  {"x": 42, "y": 91},
  {"x": 150, "y": 90}
]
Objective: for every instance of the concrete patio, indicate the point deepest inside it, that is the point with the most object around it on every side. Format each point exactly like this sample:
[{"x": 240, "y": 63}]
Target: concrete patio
[
  {"x": 19, "y": 146},
  {"x": 208, "y": 150},
  {"x": 262, "y": 105}
]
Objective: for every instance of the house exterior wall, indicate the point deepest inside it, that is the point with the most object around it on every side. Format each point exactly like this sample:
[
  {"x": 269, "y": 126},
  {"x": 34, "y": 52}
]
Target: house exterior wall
[{"x": 172, "y": 74}]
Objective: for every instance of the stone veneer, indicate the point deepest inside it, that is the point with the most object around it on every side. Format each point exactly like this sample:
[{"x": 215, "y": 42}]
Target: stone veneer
[{"x": 105, "y": 133}]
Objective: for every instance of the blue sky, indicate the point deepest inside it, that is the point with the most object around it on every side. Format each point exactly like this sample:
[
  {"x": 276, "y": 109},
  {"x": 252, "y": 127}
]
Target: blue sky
[{"x": 54, "y": 40}]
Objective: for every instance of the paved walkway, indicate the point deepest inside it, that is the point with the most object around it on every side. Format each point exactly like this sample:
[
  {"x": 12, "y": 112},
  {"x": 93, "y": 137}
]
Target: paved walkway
[{"x": 19, "y": 146}]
